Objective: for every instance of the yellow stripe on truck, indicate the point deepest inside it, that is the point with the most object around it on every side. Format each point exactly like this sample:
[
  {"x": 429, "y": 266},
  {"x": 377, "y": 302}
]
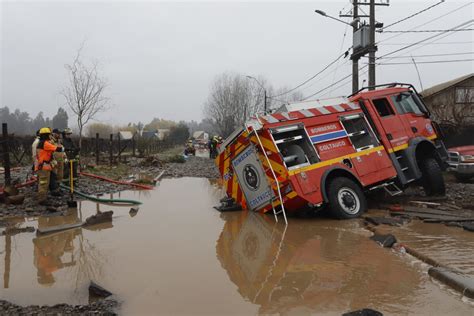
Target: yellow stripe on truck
[
  {"x": 405, "y": 146},
  {"x": 335, "y": 160}
]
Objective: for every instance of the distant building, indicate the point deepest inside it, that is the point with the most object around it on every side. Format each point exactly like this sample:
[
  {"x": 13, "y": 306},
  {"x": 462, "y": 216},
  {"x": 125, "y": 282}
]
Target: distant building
[
  {"x": 452, "y": 102},
  {"x": 150, "y": 134},
  {"x": 125, "y": 135},
  {"x": 201, "y": 136},
  {"x": 162, "y": 133}
]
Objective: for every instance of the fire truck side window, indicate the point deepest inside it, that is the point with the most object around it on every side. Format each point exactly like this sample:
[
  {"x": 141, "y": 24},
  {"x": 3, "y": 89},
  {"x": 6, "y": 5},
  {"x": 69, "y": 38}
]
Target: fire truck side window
[
  {"x": 295, "y": 147},
  {"x": 383, "y": 107},
  {"x": 359, "y": 132}
]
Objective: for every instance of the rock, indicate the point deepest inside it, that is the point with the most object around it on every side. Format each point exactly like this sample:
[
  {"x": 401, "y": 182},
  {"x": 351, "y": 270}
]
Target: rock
[
  {"x": 99, "y": 218},
  {"x": 133, "y": 211},
  {"x": 363, "y": 312},
  {"x": 385, "y": 240},
  {"x": 468, "y": 226},
  {"x": 96, "y": 290}
]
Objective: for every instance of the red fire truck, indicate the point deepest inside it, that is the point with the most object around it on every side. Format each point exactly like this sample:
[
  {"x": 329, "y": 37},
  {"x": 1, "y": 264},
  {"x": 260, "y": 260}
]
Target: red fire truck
[{"x": 329, "y": 152}]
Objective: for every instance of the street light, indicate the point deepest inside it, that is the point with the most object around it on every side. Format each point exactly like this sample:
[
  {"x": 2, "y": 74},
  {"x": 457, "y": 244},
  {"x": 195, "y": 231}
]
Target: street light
[
  {"x": 264, "y": 93},
  {"x": 354, "y": 22}
]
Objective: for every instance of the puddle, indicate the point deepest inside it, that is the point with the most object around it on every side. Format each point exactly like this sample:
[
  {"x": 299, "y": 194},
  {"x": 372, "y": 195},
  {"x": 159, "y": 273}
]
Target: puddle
[{"x": 178, "y": 255}]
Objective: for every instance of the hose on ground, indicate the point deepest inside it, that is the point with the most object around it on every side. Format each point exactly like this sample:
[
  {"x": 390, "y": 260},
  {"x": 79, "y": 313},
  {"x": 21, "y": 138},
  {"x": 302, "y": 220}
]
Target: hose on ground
[
  {"x": 101, "y": 200},
  {"x": 137, "y": 185}
]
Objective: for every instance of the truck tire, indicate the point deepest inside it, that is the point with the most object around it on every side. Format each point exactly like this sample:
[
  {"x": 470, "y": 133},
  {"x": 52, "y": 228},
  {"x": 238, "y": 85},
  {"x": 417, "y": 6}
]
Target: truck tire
[
  {"x": 432, "y": 178},
  {"x": 346, "y": 199}
]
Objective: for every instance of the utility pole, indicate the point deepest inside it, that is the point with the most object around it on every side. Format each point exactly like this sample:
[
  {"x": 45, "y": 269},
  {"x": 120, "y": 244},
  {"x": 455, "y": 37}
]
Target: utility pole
[
  {"x": 372, "y": 48},
  {"x": 355, "y": 61},
  {"x": 372, "y": 26}
]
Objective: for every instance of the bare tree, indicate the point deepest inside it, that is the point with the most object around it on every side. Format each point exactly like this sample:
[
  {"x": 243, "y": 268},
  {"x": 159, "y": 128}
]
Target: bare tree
[
  {"x": 232, "y": 100},
  {"x": 85, "y": 93}
]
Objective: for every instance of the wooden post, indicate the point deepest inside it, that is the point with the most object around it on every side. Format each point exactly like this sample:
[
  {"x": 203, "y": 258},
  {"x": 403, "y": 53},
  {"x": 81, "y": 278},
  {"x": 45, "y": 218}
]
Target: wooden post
[
  {"x": 97, "y": 153},
  {"x": 111, "y": 149},
  {"x": 6, "y": 153},
  {"x": 119, "y": 147},
  {"x": 133, "y": 145}
]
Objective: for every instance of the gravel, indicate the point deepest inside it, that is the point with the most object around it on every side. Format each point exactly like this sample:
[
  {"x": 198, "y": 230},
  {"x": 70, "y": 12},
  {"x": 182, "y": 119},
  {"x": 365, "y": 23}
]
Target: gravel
[{"x": 105, "y": 307}]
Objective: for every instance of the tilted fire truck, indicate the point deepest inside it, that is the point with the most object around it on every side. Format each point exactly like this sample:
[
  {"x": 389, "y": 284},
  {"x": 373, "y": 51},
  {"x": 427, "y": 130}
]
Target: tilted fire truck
[{"x": 329, "y": 152}]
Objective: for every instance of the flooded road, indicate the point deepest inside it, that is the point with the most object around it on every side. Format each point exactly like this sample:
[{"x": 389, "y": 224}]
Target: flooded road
[{"x": 178, "y": 255}]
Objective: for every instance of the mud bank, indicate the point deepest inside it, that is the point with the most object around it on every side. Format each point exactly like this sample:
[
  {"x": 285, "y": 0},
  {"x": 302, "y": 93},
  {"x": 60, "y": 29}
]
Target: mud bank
[{"x": 106, "y": 308}]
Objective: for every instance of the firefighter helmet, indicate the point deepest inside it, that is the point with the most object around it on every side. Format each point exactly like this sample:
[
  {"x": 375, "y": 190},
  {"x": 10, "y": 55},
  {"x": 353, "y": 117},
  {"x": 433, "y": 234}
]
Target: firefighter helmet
[{"x": 45, "y": 130}]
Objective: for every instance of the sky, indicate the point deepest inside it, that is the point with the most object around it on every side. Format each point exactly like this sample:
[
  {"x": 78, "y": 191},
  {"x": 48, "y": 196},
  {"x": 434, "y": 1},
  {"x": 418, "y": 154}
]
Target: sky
[{"x": 160, "y": 58}]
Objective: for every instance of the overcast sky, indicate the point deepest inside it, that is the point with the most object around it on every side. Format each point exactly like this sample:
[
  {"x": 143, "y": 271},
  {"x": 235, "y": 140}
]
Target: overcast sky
[{"x": 160, "y": 57}]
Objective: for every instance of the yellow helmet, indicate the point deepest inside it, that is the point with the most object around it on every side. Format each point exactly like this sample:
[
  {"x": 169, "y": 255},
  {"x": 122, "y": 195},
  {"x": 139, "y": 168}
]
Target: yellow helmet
[{"x": 45, "y": 130}]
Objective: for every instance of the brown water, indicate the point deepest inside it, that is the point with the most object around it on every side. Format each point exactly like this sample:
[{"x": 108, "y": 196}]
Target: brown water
[{"x": 179, "y": 256}]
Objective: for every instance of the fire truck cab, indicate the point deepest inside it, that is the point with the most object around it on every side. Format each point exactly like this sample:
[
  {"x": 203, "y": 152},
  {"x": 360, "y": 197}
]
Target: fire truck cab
[{"x": 329, "y": 152}]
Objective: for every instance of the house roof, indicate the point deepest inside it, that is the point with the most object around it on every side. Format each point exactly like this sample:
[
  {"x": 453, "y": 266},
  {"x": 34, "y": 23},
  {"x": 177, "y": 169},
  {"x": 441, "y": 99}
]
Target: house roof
[
  {"x": 445, "y": 85},
  {"x": 199, "y": 134},
  {"x": 126, "y": 135}
]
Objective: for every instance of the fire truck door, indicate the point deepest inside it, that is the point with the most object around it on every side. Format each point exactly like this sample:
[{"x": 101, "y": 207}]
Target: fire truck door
[{"x": 393, "y": 128}]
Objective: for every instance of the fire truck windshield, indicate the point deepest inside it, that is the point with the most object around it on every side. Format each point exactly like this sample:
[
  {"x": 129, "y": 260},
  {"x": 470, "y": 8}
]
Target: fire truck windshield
[{"x": 407, "y": 102}]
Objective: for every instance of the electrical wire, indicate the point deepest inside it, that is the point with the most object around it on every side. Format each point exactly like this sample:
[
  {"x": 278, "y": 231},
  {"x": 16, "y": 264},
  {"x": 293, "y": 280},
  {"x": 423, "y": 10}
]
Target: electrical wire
[
  {"x": 427, "y": 31},
  {"x": 312, "y": 77},
  {"x": 427, "y": 55},
  {"x": 427, "y": 39},
  {"x": 429, "y": 21},
  {"x": 442, "y": 43},
  {"x": 412, "y": 15},
  {"x": 429, "y": 62}
]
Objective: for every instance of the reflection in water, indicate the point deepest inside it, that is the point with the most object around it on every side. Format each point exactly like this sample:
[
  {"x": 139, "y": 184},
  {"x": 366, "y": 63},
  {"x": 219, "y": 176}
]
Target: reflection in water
[
  {"x": 69, "y": 248},
  {"x": 307, "y": 267}
]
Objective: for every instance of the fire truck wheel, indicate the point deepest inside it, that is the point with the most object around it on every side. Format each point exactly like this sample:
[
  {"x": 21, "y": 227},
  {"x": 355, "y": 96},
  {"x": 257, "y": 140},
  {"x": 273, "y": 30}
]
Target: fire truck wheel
[
  {"x": 346, "y": 199},
  {"x": 432, "y": 177}
]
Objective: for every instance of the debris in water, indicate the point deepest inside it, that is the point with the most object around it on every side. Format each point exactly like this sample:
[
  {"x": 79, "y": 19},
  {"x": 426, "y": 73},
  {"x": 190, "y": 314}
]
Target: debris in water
[
  {"x": 133, "y": 211},
  {"x": 10, "y": 231},
  {"x": 98, "y": 291},
  {"x": 364, "y": 312},
  {"x": 376, "y": 220},
  {"x": 384, "y": 240},
  {"x": 458, "y": 281},
  {"x": 99, "y": 218}
]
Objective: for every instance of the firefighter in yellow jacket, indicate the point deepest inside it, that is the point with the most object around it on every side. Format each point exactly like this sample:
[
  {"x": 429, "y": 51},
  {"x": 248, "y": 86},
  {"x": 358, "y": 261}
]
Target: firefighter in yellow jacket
[{"x": 44, "y": 163}]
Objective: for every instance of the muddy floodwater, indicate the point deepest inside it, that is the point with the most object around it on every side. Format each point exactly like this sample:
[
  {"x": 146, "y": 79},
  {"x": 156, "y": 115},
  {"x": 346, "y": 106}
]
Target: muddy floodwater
[{"x": 179, "y": 256}]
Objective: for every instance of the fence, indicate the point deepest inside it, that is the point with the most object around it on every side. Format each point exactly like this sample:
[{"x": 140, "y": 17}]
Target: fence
[{"x": 16, "y": 150}]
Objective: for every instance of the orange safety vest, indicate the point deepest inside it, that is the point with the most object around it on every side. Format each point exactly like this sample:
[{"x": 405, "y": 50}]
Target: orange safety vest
[{"x": 45, "y": 155}]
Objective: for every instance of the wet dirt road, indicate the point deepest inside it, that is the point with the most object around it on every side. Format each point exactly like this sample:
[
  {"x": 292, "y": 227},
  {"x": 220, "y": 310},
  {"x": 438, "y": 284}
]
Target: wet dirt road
[{"x": 179, "y": 256}]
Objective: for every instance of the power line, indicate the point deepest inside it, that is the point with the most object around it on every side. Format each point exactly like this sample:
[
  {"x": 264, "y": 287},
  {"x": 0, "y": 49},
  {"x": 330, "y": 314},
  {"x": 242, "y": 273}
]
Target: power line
[
  {"x": 429, "y": 55},
  {"x": 429, "y": 21},
  {"x": 430, "y": 62},
  {"x": 428, "y": 38},
  {"x": 442, "y": 43},
  {"x": 314, "y": 76},
  {"x": 426, "y": 31},
  {"x": 413, "y": 15}
]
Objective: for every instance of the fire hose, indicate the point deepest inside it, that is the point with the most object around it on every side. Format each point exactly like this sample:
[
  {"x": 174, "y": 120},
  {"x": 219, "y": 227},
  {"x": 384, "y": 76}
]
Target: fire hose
[
  {"x": 137, "y": 185},
  {"x": 101, "y": 200}
]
